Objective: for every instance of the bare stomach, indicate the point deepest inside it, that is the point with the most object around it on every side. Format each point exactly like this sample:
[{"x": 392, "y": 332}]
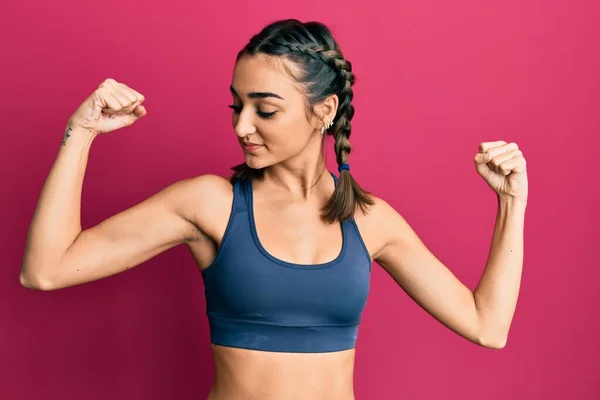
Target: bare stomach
[{"x": 242, "y": 374}]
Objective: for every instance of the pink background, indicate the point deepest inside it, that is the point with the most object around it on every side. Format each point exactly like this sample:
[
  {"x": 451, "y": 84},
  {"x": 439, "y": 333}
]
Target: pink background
[{"x": 434, "y": 79}]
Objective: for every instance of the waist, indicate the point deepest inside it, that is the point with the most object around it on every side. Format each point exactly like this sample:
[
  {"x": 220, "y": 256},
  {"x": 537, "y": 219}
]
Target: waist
[{"x": 244, "y": 373}]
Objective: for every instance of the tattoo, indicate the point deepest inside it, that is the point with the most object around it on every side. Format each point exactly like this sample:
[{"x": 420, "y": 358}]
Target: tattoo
[{"x": 64, "y": 143}]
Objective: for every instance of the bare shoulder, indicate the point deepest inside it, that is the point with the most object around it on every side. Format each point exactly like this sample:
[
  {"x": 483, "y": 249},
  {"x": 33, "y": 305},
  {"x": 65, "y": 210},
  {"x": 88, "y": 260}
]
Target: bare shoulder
[
  {"x": 209, "y": 187},
  {"x": 383, "y": 212},
  {"x": 206, "y": 200},
  {"x": 378, "y": 225}
]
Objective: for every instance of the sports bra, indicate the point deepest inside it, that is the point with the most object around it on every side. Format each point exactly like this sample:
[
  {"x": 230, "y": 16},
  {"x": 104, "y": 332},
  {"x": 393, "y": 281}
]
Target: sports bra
[{"x": 257, "y": 301}]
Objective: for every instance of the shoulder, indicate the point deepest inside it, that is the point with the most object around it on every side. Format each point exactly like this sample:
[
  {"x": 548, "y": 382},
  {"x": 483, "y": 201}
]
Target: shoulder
[
  {"x": 204, "y": 200},
  {"x": 379, "y": 225},
  {"x": 207, "y": 189},
  {"x": 380, "y": 213}
]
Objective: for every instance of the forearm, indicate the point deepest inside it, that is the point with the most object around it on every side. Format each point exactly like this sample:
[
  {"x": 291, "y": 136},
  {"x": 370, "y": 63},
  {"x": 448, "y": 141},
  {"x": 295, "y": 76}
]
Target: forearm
[
  {"x": 56, "y": 221},
  {"x": 497, "y": 292}
]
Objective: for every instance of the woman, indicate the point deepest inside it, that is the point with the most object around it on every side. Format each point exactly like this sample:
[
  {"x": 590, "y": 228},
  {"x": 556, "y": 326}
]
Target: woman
[{"x": 284, "y": 247}]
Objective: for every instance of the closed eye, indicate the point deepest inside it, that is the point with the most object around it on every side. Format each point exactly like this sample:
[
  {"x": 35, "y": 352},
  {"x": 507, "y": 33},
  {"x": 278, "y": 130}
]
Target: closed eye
[{"x": 265, "y": 115}]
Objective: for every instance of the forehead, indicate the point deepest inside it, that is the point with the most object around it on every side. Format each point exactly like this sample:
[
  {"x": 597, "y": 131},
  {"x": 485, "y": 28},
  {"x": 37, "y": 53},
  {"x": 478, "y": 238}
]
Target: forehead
[{"x": 262, "y": 73}]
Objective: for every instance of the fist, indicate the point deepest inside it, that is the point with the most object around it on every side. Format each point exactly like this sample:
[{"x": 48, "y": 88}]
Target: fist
[
  {"x": 504, "y": 168},
  {"x": 112, "y": 106}
]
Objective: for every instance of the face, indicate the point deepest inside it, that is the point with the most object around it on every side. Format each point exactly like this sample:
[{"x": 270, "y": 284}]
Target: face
[{"x": 269, "y": 113}]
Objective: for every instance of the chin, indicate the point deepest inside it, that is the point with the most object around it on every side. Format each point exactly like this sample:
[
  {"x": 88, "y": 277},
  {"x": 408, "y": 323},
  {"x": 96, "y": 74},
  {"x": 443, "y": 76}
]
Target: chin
[{"x": 255, "y": 162}]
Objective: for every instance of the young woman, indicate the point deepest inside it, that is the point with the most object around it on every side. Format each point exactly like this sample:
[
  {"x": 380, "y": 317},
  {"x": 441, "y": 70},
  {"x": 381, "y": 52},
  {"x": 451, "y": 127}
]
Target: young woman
[{"x": 284, "y": 246}]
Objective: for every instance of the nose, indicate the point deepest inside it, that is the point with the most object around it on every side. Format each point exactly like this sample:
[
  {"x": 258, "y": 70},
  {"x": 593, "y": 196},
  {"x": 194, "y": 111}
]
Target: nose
[{"x": 243, "y": 123}]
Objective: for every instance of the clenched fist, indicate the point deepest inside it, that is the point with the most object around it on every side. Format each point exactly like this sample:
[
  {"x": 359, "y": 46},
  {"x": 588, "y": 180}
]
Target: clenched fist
[{"x": 112, "y": 106}]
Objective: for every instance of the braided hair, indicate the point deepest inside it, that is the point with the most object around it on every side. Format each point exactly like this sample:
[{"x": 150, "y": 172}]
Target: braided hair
[{"x": 324, "y": 71}]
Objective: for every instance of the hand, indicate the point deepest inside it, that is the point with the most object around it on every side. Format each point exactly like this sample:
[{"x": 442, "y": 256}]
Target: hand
[
  {"x": 503, "y": 167},
  {"x": 112, "y": 106}
]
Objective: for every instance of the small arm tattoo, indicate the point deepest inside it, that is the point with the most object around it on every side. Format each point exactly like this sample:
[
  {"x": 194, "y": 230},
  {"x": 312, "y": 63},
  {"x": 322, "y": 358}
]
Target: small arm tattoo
[
  {"x": 64, "y": 143},
  {"x": 69, "y": 129}
]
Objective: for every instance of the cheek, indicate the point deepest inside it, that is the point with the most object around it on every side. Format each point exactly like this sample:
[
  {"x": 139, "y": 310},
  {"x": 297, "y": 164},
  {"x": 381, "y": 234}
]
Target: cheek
[{"x": 286, "y": 133}]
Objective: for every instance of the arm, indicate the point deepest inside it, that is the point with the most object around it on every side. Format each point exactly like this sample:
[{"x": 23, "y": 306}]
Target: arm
[
  {"x": 483, "y": 316},
  {"x": 497, "y": 292},
  {"x": 59, "y": 254},
  {"x": 56, "y": 220}
]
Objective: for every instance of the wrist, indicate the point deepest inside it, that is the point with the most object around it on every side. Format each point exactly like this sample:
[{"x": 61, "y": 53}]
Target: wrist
[
  {"x": 76, "y": 133},
  {"x": 507, "y": 201}
]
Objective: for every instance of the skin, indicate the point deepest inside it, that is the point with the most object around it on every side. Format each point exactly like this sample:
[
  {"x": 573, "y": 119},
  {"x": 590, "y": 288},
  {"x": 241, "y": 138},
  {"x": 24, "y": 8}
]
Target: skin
[
  {"x": 295, "y": 187},
  {"x": 196, "y": 211},
  {"x": 291, "y": 143}
]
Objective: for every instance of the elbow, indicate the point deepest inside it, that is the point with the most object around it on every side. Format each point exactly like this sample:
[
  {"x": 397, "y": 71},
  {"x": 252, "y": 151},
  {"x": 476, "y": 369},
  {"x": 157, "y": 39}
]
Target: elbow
[
  {"x": 34, "y": 274},
  {"x": 493, "y": 343},
  {"x": 35, "y": 283},
  {"x": 491, "y": 334}
]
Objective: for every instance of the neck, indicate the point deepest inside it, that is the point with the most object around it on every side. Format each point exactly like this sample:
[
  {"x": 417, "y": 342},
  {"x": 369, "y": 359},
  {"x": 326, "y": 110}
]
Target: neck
[{"x": 303, "y": 175}]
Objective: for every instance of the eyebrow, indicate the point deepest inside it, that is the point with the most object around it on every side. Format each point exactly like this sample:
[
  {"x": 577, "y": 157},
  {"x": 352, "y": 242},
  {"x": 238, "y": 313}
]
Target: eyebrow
[{"x": 257, "y": 95}]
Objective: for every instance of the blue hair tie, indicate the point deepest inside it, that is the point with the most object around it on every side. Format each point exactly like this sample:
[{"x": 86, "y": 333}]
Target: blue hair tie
[{"x": 344, "y": 167}]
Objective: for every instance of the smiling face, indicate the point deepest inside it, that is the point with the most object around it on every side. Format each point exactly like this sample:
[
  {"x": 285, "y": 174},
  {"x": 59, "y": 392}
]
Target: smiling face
[{"x": 270, "y": 113}]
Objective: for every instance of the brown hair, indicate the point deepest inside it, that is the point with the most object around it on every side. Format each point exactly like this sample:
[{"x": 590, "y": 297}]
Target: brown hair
[{"x": 323, "y": 71}]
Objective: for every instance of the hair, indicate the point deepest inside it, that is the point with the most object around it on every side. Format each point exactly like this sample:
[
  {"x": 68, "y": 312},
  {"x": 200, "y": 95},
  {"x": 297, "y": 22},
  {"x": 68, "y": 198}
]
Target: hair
[{"x": 321, "y": 70}]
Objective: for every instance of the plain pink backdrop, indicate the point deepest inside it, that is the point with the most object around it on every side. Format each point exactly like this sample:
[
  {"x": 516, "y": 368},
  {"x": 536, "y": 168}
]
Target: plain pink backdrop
[{"x": 434, "y": 79}]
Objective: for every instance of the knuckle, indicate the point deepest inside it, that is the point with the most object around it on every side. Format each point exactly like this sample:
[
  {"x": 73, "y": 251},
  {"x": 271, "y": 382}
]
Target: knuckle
[
  {"x": 108, "y": 82},
  {"x": 103, "y": 91},
  {"x": 130, "y": 96},
  {"x": 138, "y": 96}
]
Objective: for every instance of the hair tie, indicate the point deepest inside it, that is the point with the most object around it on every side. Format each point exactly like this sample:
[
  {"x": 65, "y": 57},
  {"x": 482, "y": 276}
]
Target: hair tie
[{"x": 344, "y": 167}]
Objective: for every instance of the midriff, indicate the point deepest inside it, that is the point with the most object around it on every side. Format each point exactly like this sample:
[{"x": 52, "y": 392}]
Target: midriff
[{"x": 243, "y": 374}]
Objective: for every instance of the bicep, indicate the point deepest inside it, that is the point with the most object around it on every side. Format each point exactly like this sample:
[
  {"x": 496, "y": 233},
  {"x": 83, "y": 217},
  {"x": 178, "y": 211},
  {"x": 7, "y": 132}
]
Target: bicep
[
  {"x": 426, "y": 279},
  {"x": 128, "y": 238}
]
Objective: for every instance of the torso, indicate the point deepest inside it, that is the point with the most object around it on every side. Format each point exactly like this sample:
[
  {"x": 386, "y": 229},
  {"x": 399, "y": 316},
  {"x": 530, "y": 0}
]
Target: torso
[{"x": 252, "y": 374}]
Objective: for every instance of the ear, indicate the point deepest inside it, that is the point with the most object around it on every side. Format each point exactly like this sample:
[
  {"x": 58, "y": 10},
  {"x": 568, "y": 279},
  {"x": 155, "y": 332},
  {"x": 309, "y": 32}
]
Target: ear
[{"x": 326, "y": 110}]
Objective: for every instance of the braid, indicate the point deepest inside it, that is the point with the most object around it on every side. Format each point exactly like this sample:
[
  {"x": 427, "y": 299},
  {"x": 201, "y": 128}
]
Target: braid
[
  {"x": 324, "y": 71},
  {"x": 331, "y": 57},
  {"x": 342, "y": 67},
  {"x": 342, "y": 128}
]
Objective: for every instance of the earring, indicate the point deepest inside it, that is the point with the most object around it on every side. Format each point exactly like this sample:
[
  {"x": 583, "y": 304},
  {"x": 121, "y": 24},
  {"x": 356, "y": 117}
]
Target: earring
[{"x": 327, "y": 126}]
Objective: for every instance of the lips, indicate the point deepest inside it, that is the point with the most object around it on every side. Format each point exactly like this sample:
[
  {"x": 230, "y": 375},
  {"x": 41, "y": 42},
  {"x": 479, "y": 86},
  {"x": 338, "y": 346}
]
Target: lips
[{"x": 251, "y": 146}]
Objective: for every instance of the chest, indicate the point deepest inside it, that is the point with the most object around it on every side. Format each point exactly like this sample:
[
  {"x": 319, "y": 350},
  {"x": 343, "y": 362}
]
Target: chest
[
  {"x": 295, "y": 233},
  {"x": 280, "y": 263}
]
